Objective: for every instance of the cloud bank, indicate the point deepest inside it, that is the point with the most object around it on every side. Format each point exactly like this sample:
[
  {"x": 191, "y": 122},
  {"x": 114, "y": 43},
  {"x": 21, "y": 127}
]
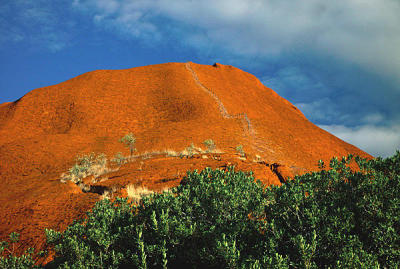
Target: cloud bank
[
  {"x": 366, "y": 33},
  {"x": 378, "y": 141}
]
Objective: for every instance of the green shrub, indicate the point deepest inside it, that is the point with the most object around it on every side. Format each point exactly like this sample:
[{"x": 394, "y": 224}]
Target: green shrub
[
  {"x": 204, "y": 221},
  {"x": 336, "y": 218},
  {"x": 119, "y": 159},
  {"x": 87, "y": 165},
  {"x": 188, "y": 151},
  {"x": 7, "y": 258},
  {"x": 129, "y": 140},
  {"x": 209, "y": 143},
  {"x": 240, "y": 151}
]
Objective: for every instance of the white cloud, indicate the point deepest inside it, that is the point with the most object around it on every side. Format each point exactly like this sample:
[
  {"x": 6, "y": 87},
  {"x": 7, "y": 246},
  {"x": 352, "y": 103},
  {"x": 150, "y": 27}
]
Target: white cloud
[
  {"x": 366, "y": 33},
  {"x": 374, "y": 118},
  {"x": 378, "y": 141}
]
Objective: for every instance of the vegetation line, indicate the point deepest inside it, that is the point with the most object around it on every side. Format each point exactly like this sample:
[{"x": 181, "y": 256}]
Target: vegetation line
[{"x": 337, "y": 217}]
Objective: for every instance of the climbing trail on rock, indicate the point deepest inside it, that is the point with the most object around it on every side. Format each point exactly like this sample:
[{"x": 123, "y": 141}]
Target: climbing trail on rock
[{"x": 256, "y": 143}]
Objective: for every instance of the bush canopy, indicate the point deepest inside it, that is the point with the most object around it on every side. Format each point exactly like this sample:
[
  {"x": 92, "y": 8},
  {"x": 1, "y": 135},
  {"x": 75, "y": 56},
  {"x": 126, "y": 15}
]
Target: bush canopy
[{"x": 333, "y": 218}]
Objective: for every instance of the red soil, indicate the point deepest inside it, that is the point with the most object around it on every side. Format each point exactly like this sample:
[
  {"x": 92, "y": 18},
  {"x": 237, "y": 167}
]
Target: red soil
[{"x": 166, "y": 106}]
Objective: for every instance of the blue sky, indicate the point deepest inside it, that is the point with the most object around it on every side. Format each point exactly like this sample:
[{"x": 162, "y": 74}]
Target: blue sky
[{"x": 338, "y": 61}]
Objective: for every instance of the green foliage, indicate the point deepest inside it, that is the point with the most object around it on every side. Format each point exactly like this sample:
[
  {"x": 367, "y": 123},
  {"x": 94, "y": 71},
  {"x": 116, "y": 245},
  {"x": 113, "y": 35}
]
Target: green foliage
[
  {"x": 129, "y": 140},
  {"x": 7, "y": 258},
  {"x": 119, "y": 159},
  {"x": 354, "y": 215},
  {"x": 205, "y": 221},
  {"x": 101, "y": 240},
  {"x": 336, "y": 218},
  {"x": 86, "y": 165},
  {"x": 240, "y": 151},
  {"x": 209, "y": 143},
  {"x": 188, "y": 151}
]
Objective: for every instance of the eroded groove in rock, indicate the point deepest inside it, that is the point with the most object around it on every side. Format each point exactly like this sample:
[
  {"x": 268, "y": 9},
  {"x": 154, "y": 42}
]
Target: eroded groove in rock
[
  {"x": 274, "y": 169},
  {"x": 98, "y": 189}
]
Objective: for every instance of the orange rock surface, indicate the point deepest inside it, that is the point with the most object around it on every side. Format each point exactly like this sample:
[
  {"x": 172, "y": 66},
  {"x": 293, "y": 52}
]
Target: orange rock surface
[{"x": 166, "y": 106}]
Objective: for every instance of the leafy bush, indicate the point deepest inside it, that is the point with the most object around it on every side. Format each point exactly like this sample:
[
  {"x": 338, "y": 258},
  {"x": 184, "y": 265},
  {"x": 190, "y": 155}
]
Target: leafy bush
[
  {"x": 240, "y": 151},
  {"x": 205, "y": 221},
  {"x": 209, "y": 143},
  {"x": 119, "y": 159},
  {"x": 87, "y": 165},
  {"x": 189, "y": 151},
  {"x": 7, "y": 258},
  {"x": 336, "y": 218}
]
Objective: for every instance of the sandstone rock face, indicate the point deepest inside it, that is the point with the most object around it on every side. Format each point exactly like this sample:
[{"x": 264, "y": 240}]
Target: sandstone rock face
[{"x": 167, "y": 107}]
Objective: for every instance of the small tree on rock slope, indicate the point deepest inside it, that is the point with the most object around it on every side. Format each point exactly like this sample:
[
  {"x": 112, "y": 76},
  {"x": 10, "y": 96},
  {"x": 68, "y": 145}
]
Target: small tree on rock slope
[{"x": 129, "y": 140}]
